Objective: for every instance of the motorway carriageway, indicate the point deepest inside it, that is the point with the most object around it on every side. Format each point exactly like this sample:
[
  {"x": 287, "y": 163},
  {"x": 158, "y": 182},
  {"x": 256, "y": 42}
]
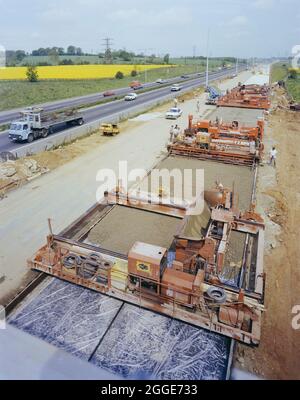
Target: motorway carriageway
[{"x": 108, "y": 109}]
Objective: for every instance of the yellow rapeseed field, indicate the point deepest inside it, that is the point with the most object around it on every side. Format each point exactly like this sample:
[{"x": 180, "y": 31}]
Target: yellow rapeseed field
[{"x": 74, "y": 71}]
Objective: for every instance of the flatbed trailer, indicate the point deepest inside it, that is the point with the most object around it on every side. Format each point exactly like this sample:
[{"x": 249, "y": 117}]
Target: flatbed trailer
[{"x": 35, "y": 123}]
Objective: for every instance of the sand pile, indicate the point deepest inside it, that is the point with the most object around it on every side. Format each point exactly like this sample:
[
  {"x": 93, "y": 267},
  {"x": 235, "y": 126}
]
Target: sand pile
[{"x": 15, "y": 172}]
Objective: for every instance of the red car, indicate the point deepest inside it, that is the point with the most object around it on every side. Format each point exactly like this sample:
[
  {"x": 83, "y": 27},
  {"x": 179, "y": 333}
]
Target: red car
[{"x": 108, "y": 93}]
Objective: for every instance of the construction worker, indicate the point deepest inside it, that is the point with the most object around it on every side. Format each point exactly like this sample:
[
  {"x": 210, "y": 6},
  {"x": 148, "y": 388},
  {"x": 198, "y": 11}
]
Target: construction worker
[
  {"x": 176, "y": 131},
  {"x": 175, "y": 102},
  {"x": 273, "y": 156},
  {"x": 171, "y": 133}
]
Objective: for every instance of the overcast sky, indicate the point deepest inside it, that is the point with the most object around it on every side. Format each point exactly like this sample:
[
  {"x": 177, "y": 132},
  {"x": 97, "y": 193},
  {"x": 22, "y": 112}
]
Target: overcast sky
[{"x": 242, "y": 28}]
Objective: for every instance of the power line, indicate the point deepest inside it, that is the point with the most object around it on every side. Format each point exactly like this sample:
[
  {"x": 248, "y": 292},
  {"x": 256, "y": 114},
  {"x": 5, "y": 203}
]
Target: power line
[{"x": 107, "y": 43}]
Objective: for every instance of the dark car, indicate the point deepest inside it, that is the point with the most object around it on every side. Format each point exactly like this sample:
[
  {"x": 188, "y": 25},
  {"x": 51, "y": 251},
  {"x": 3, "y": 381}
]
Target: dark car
[{"x": 109, "y": 93}]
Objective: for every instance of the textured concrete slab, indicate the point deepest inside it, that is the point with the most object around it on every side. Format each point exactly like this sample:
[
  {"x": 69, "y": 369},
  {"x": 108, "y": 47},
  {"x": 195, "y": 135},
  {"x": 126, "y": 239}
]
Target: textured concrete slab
[
  {"x": 120, "y": 338},
  {"x": 141, "y": 343},
  {"x": 67, "y": 316}
]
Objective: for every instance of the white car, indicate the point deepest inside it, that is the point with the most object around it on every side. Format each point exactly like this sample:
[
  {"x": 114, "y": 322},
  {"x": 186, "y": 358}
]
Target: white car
[
  {"x": 160, "y": 81},
  {"x": 174, "y": 113},
  {"x": 176, "y": 88},
  {"x": 130, "y": 97}
]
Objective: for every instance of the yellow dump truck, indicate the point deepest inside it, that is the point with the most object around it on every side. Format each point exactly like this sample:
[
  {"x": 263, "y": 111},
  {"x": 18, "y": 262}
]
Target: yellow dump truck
[{"x": 109, "y": 129}]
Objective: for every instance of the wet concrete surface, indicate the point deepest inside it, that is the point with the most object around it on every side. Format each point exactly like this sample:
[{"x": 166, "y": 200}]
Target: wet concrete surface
[{"x": 123, "y": 226}]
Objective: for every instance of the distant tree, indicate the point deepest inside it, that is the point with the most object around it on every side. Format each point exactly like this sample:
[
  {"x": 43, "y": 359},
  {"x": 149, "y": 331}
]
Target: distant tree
[
  {"x": 20, "y": 54},
  {"x": 119, "y": 75},
  {"x": 79, "y": 52},
  {"x": 167, "y": 59},
  {"x": 40, "y": 52},
  {"x": 124, "y": 55},
  {"x": 66, "y": 62},
  {"x": 133, "y": 73},
  {"x": 71, "y": 50},
  {"x": 32, "y": 74},
  {"x": 54, "y": 56},
  {"x": 151, "y": 59}
]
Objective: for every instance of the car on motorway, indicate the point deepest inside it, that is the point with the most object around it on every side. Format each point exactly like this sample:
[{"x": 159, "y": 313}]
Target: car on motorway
[
  {"x": 176, "y": 88},
  {"x": 184, "y": 76},
  {"x": 109, "y": 93},
  {"x": 130, "y": 96},
  {"x": 173, "y": 113},
  {"x": 160, "y": 81}
]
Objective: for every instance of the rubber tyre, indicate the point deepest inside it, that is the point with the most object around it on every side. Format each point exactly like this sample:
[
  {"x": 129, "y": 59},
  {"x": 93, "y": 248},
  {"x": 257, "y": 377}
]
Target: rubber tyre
[
  {"x": 71, "y": 260},
  {"x": 80, "y": 122},
  {"x": 44, "y": 133},
  {"x": 217, "y": 295},
  {"x": 30, "y": 138}
]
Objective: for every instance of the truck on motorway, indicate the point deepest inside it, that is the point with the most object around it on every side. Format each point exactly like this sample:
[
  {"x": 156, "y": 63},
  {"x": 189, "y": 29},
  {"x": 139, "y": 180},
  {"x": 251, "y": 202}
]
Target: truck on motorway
[
  {"x": 136, "y": 85},
  {"x": 35, "y": 123}
]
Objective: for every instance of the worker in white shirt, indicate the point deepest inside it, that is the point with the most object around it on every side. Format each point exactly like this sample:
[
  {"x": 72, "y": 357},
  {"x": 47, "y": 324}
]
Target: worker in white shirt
[
  {"x": 273, "y": 156},
  {"x": 176, "y": 131},
  {"x": 171, "y": 133}
]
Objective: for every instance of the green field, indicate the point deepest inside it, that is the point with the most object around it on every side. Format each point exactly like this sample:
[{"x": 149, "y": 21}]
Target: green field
[
  {"x": 293, "y": 87},
  {"x": 94, "y": 59},
  {"x": 15, "y": 94},
  {"x": 281, "y": 72}
]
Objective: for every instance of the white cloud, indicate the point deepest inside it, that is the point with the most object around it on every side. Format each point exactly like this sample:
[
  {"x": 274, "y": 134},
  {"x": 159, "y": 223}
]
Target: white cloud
[
  {"x": 125, "y": 14},
  {"x": 263, "y": 4},
  {"x": 238, "y": 20},
  {"x": 168, "y": 17},
  {"x": 57, "y": 14}
]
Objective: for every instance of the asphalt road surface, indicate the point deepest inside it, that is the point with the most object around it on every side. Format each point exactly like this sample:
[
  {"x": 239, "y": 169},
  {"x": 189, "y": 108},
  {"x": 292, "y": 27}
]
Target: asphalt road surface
[{"x": 108, "y": 109}]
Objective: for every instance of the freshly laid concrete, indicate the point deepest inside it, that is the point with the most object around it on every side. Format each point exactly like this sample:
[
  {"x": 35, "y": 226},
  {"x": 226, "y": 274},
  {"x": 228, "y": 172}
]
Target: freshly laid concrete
[
  {"x": 230, "y": 176},
  {"x": 124, "y": 226},
  {"x": 245, "y": 116}
]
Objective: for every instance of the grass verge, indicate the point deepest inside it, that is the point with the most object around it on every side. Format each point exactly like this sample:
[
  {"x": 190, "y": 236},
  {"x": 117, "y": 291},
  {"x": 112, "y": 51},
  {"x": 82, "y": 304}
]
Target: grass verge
[
  {"x": 15, "y": 94},
  {"x": 279, "y": 72}
]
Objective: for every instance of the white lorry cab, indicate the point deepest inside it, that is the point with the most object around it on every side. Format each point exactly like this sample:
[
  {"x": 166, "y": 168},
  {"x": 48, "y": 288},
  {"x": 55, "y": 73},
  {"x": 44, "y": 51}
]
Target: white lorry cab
[{"x": 34, "y": 123}]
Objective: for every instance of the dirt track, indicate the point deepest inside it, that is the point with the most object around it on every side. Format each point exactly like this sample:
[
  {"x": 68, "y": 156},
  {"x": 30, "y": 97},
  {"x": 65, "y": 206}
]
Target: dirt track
[{"x": 278, "y": 356}]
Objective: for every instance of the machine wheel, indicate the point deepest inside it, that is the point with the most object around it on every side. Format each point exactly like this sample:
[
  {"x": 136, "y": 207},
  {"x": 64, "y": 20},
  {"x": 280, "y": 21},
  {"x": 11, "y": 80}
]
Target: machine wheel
[
  {"x": 95, "y": 257},
  {"x": 80, "y": 121},
  {"x": 30, "y": 138},
  {"x": 71, "y": 260},
  {"x": 44, "y": 133},
  {"x": 217, "y": 295}
]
